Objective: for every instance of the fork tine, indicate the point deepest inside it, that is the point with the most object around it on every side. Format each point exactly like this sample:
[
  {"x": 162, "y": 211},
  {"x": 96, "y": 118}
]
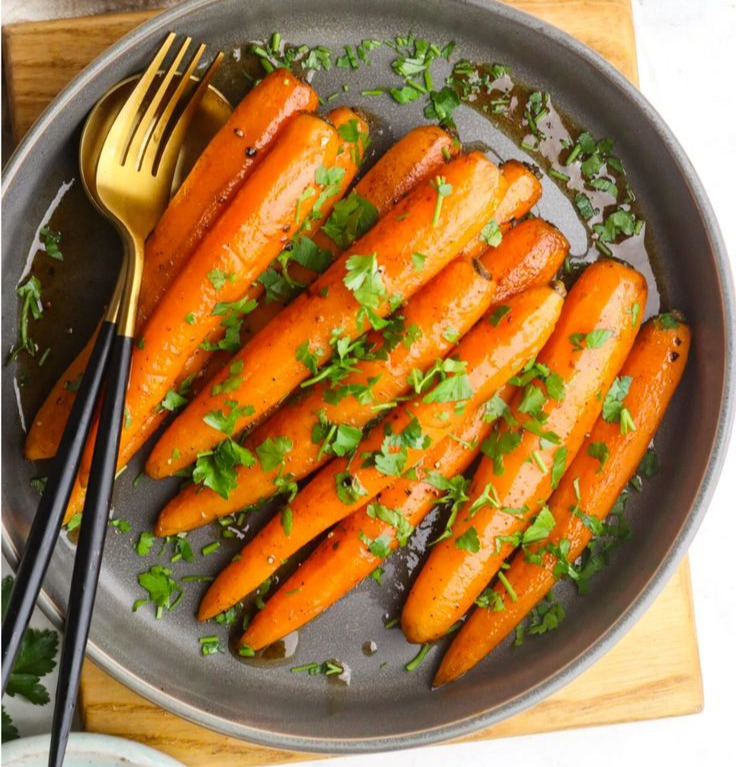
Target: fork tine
[
  {"x": 156, "y": 136},
  {"x": 162, "y": 157},
  {"x": 120, "y": 129},
  {"x": 147, "y": 123}
]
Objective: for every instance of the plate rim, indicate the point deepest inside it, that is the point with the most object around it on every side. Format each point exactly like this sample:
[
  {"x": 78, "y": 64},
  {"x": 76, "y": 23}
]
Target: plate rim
[
  {"x": 89, "y": 743},
  {"x": 659, "y": 577}
]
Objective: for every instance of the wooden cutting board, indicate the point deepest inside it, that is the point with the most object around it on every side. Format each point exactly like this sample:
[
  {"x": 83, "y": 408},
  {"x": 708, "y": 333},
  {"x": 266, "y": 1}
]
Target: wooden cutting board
[{"x": 653, "y": 672}]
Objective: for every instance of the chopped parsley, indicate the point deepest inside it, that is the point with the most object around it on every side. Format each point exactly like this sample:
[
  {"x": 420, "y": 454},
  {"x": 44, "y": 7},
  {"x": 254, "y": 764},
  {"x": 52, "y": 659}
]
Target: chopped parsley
[
  {"x": 217, "y": 469},
  {"x": 593, "y": 340},
  {"x": 226, "y": 422},
  {"x": 599, "y": 451},
  {"x": 469, "y": 541},
  {"x": 31, "y": 307},
  {"x": 51, "y": 240},
  {"x": 499, "y": 444},
  {"x": 614, "y": 410},
  {"x": 349, "y": 488},
  {"x": 380, "y": 547},
  {"x": 272, "y": 452},
  {"x": 394, "y": 518},
  {"x": 163, "y": 591},
  {"x": 327, "y": 668},
  {"x": 491, "y": 234},
  {"x": 363, "y": 279},
  {"x": 350, "y": 219},
  {"x": 443, "y": 189}
]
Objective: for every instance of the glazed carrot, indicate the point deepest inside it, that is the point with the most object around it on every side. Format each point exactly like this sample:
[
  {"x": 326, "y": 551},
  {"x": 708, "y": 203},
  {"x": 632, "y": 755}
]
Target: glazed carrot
[
  {"x": 436, "y": 223},
  {"x": 267, "y": 210},
  {"x": 343, "y": 560},
  {"x": 42, "y": 440},
  {"x": 522, "y": 193},
  {"x": 590, "y": 486},
  {"x": 437, "y": 316},
  {"x": 489, "y": 355},
  {"x": 140, "y": 428},
  {"x": 416, "y": 157},
  {"x": 217, "y": 175},
  {"x": 523, "y": 462}
]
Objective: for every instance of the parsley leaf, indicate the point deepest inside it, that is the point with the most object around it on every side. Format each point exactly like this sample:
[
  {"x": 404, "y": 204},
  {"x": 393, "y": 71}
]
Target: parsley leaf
[
  {"x": 469, "y": 541},
  {"x": 455, "y": 388},
  {"x": 51, "y": 242},
  {"x": 163, "y": 591},
  {"x": 499, "y": 444},
  {"x": 30, "y": 292},
  {"x": 37, "y": 658},
  {"x": 350, "y": 219},
  {"x": 441, "y": 105},
  {"x": 217, "y": 469},
  {"x": 363, "y": 280},
  {"x": 380, "y": 547},
  {"x": 540, "y": 528},
  {"x": 272, "y": 451},
  {"x": 599, "y": 450},
  {"x": 613, "y": 402},
  {"x": 558, "y": 466},
  {"x": 349, "y": 488},
  {"x": 394, "y": 518},
  {"x": 491, "y": 234}
]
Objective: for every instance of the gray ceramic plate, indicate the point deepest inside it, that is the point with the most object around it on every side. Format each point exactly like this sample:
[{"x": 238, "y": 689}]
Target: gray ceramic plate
[{"x": 384, "y": 707}]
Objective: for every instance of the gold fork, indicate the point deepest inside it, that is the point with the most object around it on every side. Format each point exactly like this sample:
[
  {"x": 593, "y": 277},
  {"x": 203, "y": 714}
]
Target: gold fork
[{"x": 133, "y": 179}]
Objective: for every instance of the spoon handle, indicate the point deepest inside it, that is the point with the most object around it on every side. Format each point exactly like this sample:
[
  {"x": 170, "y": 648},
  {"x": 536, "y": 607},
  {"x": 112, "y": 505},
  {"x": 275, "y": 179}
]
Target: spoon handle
[
  {"x": 50, "y": 513},
  {"x": 88, "y": 560}
]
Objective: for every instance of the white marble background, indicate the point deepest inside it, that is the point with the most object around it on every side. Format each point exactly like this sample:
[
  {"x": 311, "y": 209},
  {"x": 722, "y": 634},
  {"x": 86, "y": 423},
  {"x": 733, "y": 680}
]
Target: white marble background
[{"x": 687, "y": 65}]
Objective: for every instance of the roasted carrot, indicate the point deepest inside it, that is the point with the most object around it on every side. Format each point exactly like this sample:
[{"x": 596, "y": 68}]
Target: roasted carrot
[
  {"x": 523, "y": 462},
  {"x": 346, "y": 166},
  {"x": 523, "y": 190},
  {"x": 484, "y": 360},
  {"x": 273, "y": 203},
  {"x": 217, "y": 175},
  {"x": 343, "y": 560},
  {"x": 436, "y": 220},
  {"x": 416, "y": 157},
  {"x": 435, "y": 318},
  {"x": 42, "y": 440},
  {"x": 587, "y": 492}
]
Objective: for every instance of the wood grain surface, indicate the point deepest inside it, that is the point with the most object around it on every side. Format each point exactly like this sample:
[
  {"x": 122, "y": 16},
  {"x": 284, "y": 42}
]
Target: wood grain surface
[{"x": 653, "y": 672}]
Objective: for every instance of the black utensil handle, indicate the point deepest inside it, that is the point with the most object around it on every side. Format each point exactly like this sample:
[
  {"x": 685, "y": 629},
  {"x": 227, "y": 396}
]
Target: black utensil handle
[
  {"x": 50, "y": 513},
  {"x": 90, "y": 546}
]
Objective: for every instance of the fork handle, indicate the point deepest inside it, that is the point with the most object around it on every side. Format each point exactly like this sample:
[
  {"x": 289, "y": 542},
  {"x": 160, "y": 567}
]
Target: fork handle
[
  {"x": 50, "y": 513},
  {"x": 91, "y": 542}
]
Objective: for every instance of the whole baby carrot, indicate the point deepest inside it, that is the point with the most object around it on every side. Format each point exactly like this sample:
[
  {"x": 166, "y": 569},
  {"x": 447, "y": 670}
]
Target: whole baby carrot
[{"x": 589, "y": 489}]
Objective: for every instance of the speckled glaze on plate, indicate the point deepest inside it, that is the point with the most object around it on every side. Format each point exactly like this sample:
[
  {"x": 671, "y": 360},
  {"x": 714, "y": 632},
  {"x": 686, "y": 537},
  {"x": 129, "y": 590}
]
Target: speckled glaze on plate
[{"x": 386, "y": 708}]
